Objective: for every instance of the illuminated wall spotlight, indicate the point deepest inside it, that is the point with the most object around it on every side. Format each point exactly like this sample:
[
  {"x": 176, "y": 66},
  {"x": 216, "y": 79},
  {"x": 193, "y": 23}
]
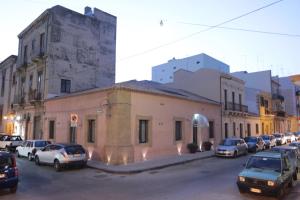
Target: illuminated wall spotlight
[
  {"x": 179, "y": 148},
  {"x": 144, "y": 153}
]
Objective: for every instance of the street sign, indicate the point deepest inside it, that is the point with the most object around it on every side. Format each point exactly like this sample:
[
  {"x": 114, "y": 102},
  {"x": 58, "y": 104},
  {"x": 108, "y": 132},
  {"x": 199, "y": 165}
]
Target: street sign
[{"x": 74, "y": 120}]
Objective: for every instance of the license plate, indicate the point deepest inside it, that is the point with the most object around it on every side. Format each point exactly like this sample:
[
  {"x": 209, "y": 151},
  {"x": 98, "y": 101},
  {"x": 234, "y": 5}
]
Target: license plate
[
  {"x": 255, "y": 190},
  {"x": 77, "y": 155},
  {"x": 2, "y": 175}
]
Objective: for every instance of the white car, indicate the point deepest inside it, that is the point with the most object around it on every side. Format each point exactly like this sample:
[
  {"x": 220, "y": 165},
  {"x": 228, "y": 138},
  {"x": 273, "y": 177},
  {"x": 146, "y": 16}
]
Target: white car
[
  {"x": 61, "y": 155},
  {"x": 30, "y": 147},
  {"x": 10, "y": 142}
]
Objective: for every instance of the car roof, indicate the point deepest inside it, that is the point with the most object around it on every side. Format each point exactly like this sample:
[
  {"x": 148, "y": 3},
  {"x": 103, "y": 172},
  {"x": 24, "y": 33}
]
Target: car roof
[
  {"x": 35, "y": 140},
  {"x": 285, "y": 147},
  {"x": 269, "y": 154}
]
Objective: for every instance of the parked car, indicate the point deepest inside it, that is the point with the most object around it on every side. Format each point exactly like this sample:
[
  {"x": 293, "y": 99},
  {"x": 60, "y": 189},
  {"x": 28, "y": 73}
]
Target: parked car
[
  {"x": 268, "y": 173},
  {"x": 293, "y": 154},
  {"x": 255, "y": 143},
  {"x": 10, "y": 142},
  {"x": 9, "y": 176},
  {"x": 280, "y": 138},
  {"x": 269, "y": 140},
  {"x": 61, "y": 155},
  {"x": 30, "y": 147},
  {"x": 295, "y": 144},
  {"x": 290, "y": 137},
  {"x": 297, "y": 135},
  {"x": 232, "y": 147}
]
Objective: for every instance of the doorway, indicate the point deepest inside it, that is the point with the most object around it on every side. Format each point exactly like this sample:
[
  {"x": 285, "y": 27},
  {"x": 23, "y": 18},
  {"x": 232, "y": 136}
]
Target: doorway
[
  {"x": 195, "y": 134},
  {"x": 72, "y": 135}
]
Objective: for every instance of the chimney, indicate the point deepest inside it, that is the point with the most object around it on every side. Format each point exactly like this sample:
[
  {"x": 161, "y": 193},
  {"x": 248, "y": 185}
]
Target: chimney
[{"x": 88, "y": 11}]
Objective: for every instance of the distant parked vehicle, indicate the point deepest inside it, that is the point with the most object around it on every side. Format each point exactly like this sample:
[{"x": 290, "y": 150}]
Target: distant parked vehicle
[
  {"x": 232, "y": 147},
  {"x": 295, "y": 144},
  {"x": 9, "y": 176},
  {"x": 297, "y": 135},
  {"x": 268, "y": 173},
  {"x": 61, "y": 155},
  {"x": 293, "y": 154},
  {"x": 30, "y": 147},
  {"x": 269, "y": 140},
  {"x": 255, "y": 144},
  {"x": 290, "y": 137},
  {"x": 10, "y": 142},
  {"x": 280, "y": 138}
]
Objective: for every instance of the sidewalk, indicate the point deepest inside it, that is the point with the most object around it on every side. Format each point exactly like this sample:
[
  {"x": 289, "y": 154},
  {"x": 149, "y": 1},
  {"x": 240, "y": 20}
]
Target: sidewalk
[{"x": 150, "y": 164}]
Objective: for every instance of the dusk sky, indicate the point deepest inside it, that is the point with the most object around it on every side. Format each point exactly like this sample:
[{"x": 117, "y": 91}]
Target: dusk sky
[{"x": 143, "y": 41}]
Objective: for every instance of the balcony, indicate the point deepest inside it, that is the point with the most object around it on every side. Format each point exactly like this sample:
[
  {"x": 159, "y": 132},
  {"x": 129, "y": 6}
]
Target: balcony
[
  {"x": 236, "y": 107},
  {"x": 18, "y": 101},
  {"x": 277, "y": 97},
  {"x": 279, "y": 113},
  {"x": 37, "y": 56},
  {"x": 34, "y": 95}
]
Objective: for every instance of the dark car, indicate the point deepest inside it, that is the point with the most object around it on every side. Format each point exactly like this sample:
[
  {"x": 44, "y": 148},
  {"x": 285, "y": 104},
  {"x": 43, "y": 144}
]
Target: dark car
[
  {"x": 268, "y": 173},
  {"x": 9, "y": 177},
  {"x": 269, "y": 140},
  {"x": 255, "y": 143}
]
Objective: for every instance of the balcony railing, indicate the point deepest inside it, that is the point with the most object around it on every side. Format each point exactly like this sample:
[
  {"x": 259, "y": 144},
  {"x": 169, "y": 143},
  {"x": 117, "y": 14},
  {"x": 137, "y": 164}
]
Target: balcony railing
[
  {"x": 277, "y": 96},
  {"x": 34, "y": 95},
  {"x": 236, "y": 107}
]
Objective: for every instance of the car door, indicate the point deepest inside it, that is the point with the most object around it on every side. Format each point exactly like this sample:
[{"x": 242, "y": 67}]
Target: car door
[
  {"x": 44, "y": 154},
  {"x": 21, "y": 149}
]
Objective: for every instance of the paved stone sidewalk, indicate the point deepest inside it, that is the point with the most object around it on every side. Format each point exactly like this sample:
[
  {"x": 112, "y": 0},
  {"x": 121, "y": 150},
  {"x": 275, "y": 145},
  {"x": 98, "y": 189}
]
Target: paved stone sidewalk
[{"x": 150, "y": 164}]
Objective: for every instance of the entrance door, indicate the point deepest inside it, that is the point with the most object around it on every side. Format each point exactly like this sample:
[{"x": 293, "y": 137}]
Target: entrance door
[
  {"x": 73, "y": 135},
  {"x": 249, "y": 130},
  {"x": 195, "y": 134},
  {"x": 37, "y": 131}
]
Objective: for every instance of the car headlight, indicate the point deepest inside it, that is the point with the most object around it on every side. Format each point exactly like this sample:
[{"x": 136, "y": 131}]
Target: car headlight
[
  {"x": 242, "y": 179},
  {"x": 271, "y": 183}
]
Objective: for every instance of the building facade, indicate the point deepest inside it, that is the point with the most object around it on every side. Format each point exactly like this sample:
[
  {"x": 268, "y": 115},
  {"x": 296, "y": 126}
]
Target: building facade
[
  {"x": 60, "y": 52},
  {"x": 164, "y": 73},
  {"x": 132, "y": 121},
  {"x": 6, "y": 116},
  {"x": 228, "y": 90}
]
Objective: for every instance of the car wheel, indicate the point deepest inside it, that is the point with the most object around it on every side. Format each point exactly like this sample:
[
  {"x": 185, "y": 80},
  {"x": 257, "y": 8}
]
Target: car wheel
[
  {"x": 18, "y": 155},
  {"x": 37, "y": 160},
  {"x": 235, "y": 154},
  {"x": 13, "y": 189},
  {"x": 57, "y": 166},
  {"x": 29, "y": 157}
]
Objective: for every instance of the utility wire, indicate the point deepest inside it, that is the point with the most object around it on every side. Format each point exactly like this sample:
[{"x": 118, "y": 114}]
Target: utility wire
[
  {"x": 198, "y": 32},
  {"x": 243, "y": 29}
]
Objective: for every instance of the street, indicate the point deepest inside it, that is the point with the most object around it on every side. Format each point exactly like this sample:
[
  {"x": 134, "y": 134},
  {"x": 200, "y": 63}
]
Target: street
[{"x": 208, "y": 179}]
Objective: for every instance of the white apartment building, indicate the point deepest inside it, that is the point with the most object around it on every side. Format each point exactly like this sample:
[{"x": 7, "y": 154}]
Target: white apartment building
[{"x": 164, "y": 73}]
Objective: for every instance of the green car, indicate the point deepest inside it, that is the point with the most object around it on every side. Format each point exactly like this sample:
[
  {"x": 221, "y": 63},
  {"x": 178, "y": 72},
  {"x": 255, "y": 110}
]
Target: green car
[{"x": 268, "y": 173}]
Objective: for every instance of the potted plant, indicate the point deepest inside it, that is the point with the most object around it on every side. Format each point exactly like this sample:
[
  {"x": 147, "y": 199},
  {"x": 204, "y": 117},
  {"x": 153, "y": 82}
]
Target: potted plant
[
  {"x": 193, "y": 147},
  {"x": 207, "y": 145}
]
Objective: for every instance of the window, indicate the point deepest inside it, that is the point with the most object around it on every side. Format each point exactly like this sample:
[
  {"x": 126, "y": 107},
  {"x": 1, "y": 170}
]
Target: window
[
  {"x": 14, "y": 81},
  {"x": 32, "y": 46},
  {"x": 42, "y": 43},
  {"x": 25, "y": 54},
  {"x": 262, "y": 101},
  {"x": 39, "y": 81},
  {"x": 240, "y": 101},
  {"x": 233, "y": 128},
  {"x": 226, "y": 130},
  {"x": 233, "y": 100},
  {"x": 22, "y": 86},
  {"x": 143, "y": 131},
  {"x": 241, "y": 130},
  {"x": 257, "y": 130},
  {"x": 178, "y": 130},
  {"x": 51, "y": 129},
  {"x": 225, "y": 98},
  {"x": 3, "y": 82},
  {"x": 30, "y": 81},
  {"x": 249, "y": 129},
  {"x": 91, "y": 130},
  {"x": 211, "y": 130},
  {"x": 65, "y": 86},
  {"x": 262, "y": 128}
]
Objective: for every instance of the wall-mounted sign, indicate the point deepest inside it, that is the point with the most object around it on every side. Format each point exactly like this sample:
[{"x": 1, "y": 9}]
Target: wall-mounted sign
[{"x": 74, "y": 120}]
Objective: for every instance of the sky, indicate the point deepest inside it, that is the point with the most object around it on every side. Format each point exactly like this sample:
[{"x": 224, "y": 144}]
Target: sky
[{"x": 151, "y": 32}]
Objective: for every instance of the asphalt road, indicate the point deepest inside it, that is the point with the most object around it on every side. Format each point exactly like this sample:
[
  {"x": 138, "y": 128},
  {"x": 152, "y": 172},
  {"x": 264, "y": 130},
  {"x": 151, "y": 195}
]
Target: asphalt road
[{"x": 209, "y": 179}]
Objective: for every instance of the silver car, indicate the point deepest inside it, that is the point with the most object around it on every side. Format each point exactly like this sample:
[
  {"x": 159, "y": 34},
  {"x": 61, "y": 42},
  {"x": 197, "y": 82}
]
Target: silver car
[
  {"x": 232, "y": 147},
  {"x": 61, "y": 155}
]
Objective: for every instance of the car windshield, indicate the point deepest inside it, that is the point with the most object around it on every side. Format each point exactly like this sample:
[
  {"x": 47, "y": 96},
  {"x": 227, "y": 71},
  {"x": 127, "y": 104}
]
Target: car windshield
[
  {"x": 5, "y": 161},
  {"x": 76, "y": 149},
  {"x": 264, "y": 163},
  {"x": 229, "y": 142},
  {"x": 265, "y": 137},
  {"x": 41, "y": 143},
  {"x": 250, "y": 139}
]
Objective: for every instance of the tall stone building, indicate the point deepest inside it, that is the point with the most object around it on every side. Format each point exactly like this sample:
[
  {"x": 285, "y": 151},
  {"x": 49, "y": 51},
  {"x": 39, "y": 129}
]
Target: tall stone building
[{"x": 60, "y": 52}]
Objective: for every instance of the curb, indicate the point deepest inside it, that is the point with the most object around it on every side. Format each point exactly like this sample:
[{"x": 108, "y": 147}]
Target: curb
[{"x": 135, "y": 171}]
